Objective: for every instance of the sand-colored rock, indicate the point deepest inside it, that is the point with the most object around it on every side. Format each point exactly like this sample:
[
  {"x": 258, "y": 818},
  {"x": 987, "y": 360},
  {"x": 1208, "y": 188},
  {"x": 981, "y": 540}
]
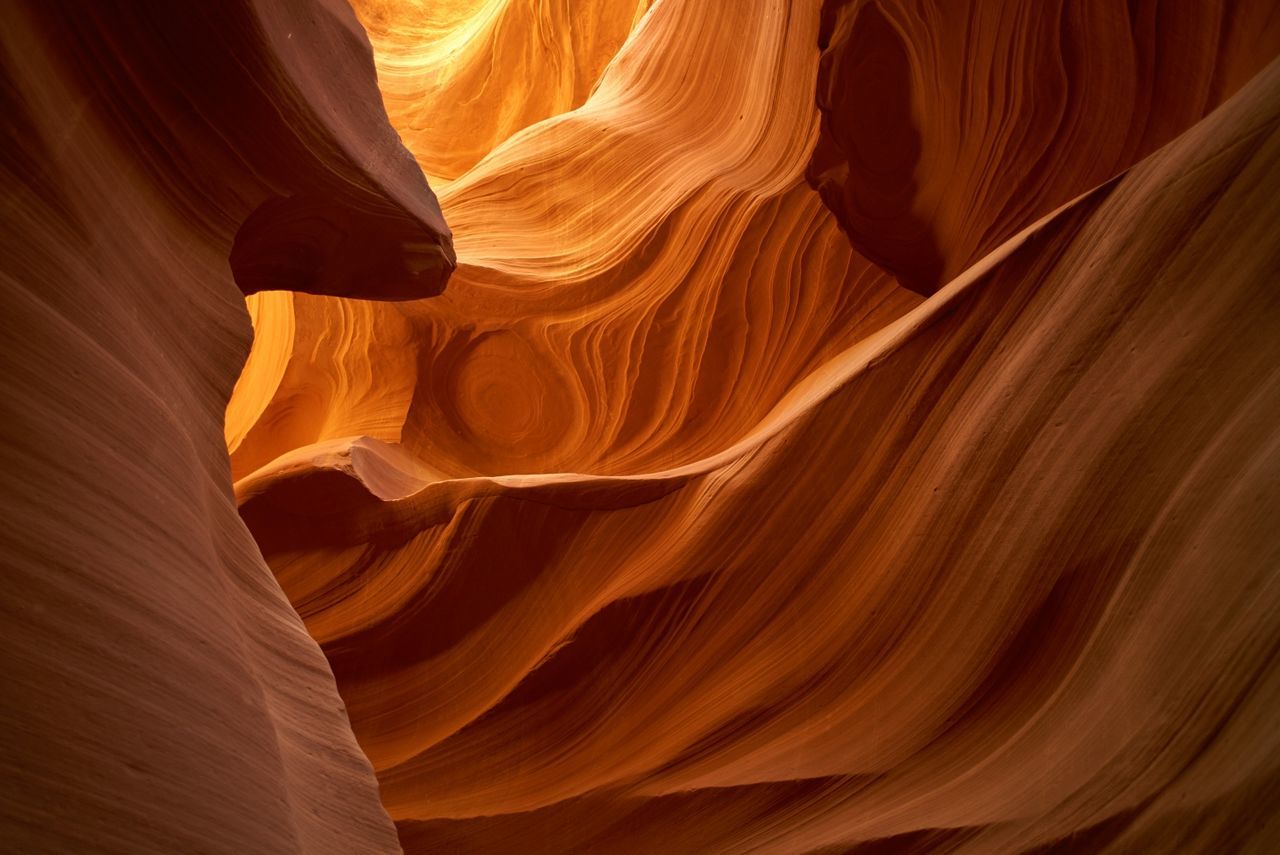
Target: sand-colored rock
[
  {"x": 616, "y": 306},
  {"x": 460, "y": 77},
  {"x": 686, "y": 529},
  {"x": 676, "y": 523}
]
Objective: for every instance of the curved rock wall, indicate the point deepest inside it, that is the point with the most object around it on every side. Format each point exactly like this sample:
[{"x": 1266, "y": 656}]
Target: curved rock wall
[
  {"x": 160, "y": 693},
  {"x": 677, "y": 524},
  {"x": 850, "y": 426}
]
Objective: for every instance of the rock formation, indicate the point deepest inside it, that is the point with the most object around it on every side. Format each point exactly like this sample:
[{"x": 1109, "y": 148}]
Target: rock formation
[
  {"x": 949, "y": 126},
  {"x": 848, "y": 427},
  {"x": 160, "y": 694}
]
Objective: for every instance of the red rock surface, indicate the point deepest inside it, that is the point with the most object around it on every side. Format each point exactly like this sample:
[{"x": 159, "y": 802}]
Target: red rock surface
[
  {"x": 160, "y": 693},
  {"x": 947, "y": 127},
  {"x": 675, "y": 523}
]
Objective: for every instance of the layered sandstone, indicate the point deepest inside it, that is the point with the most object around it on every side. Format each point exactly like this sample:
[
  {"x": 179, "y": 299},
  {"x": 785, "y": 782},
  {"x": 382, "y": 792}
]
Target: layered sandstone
[
  {"x": 160, "y": 693},
  {"x": 850, "y": 426}
]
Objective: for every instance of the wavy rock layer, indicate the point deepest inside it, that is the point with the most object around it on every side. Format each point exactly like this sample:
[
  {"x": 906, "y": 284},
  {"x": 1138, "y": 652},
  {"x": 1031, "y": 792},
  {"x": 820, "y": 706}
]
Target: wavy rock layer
[
  {"x": 948, "y": 127},
  {"x": 675, "y": 524},
  {"x": 460, "y": 77},
  {"x": 160, "y": 694},
  {"x": 619, "y": 266}
]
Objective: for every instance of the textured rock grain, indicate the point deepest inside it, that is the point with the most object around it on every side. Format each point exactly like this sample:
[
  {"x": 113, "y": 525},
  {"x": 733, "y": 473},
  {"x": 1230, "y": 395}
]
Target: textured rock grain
[{"x": 160, "y": 693}]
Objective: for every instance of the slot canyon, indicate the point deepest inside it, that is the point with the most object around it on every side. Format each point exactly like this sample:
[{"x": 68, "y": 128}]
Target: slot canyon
[{"x": 640, "y": 426}]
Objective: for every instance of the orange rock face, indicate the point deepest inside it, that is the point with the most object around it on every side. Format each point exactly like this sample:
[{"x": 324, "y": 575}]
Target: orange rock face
[{"x": 848, "y": 427}]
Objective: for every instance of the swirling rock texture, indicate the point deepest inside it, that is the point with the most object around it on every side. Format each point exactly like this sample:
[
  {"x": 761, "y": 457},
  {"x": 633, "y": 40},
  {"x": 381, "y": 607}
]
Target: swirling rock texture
[
  {"x": 512, "y": 63},
  {"x": 849, "y": 427}
]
